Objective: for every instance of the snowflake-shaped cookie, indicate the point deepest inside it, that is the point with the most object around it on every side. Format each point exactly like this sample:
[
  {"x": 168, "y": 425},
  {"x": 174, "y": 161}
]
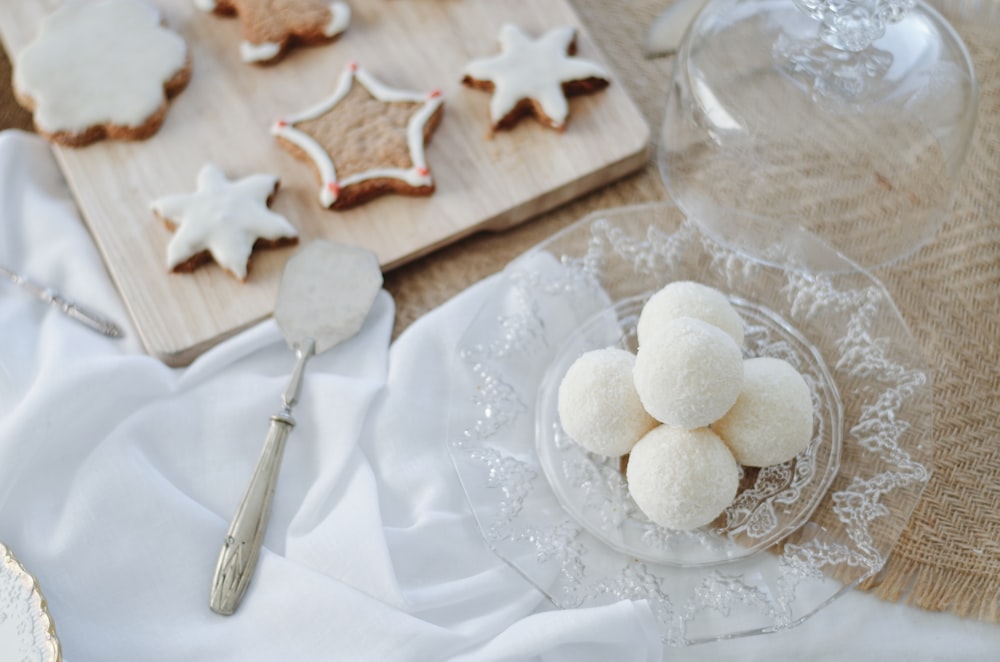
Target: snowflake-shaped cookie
[
  {"x": 534, "y": 77},
  {"x": 271, "y": 27},
  {"x": 223, "y": 220},
  {"x": 374, "y": 133},
  {"x": 101, "y": 70}
]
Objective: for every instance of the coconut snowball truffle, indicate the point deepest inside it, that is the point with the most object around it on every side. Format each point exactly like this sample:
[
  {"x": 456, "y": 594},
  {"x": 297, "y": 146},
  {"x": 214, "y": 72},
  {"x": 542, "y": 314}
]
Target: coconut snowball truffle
[
  {"x": 689, "y": 373},
  {"x": 685, "y": 298},
  {"x": 772, "y": 420},
  {"x": 682, "y": 479},
  {"x": 598, "y": 405}
]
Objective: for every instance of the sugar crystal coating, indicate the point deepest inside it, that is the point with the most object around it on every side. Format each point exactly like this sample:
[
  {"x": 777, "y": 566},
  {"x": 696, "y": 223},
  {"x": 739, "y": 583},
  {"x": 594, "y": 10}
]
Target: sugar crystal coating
[
  {"x": 684, "y": 298},
  {"x": 598, "y": 405},
  {"x": 689, "y": 373},
  {"x": 682, "y": 479},
  {"x": 772, "y": 420}
]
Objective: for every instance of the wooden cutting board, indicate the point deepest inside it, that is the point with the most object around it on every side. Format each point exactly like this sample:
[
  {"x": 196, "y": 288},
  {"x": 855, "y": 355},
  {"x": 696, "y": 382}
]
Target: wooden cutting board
[{"x": 224, "y": 117}]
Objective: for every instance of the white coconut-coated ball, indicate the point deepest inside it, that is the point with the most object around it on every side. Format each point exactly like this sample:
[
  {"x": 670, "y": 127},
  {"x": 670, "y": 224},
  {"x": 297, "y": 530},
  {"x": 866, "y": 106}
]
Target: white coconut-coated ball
[
  {"x": 682, "y": 479},
  {"x": 685, "y": 298},
  {"x": 598, "y": 405},
  {"x": 772, "y": 420},
  {"x": 689, "y": 373}
]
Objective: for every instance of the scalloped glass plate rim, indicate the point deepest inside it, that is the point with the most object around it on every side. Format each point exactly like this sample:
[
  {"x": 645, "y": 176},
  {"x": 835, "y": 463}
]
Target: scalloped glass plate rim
[{"x": 532, "y": 550}]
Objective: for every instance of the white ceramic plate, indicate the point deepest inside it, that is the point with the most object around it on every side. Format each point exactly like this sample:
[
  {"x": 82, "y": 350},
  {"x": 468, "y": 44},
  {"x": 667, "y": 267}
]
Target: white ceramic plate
[{"x": 27, "y": 631}]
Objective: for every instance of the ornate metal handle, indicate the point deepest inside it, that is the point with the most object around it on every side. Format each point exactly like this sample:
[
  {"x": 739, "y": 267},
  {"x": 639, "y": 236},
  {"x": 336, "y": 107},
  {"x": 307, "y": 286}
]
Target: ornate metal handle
[
  {"x": 241, "y": 548},
  {"x": 88, "y": 318}
]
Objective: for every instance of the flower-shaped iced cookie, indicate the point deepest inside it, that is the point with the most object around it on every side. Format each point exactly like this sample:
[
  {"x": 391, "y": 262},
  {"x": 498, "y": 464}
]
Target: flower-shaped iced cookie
[
  {"x": 101, "y": 70},
  {"x": 223, "y": 220},
  {"x": 534, "y": 77},
  {"x": 271, "y": 27}
]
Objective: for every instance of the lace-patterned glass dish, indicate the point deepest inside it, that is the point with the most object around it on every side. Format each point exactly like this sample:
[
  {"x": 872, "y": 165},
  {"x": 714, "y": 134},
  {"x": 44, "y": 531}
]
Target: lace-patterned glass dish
[
  {"x": 772, "y": 502},
  {"x": 802, "y": 299}
]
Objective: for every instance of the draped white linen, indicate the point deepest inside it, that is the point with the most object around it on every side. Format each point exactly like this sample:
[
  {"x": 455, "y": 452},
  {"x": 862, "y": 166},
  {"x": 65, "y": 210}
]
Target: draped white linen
[{"x": 118, "y": 476}]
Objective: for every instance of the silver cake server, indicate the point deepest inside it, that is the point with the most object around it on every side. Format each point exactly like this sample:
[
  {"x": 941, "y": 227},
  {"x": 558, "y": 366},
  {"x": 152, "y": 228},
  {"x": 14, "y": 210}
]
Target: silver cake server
[{"x": 326, "y": 292}]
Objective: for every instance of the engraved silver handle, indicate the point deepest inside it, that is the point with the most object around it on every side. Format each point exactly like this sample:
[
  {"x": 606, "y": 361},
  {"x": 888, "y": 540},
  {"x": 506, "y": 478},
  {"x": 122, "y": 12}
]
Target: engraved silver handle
[
  {"x": 84, "y": 316},
  {"x": 241, "y": 548}
]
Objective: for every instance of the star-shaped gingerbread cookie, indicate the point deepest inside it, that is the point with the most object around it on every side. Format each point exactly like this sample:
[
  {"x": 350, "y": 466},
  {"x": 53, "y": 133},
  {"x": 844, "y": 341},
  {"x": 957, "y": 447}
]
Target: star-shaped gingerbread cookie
[
  {"x": 271, "y": 27},
  {"x": 223, "y": 220},
  {"x": 365, "y": 139},
  {"x": 534, "y": 77}
]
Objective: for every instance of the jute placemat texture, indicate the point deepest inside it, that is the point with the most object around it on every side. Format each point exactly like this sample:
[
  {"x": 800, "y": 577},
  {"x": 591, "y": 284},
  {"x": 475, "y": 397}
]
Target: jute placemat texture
[{"x": 948, "y": 557}]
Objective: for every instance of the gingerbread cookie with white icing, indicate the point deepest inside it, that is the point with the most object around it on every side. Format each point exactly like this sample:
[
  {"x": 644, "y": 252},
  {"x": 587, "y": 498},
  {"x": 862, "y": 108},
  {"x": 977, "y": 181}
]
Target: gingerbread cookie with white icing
[
  {"x": 365, "y": 140},
  {"x": 272, "y": 27},
  {"x": 224, "y": 221},
  {"x": 101, "y": 70},
  {"x": 534, "y": 77}
]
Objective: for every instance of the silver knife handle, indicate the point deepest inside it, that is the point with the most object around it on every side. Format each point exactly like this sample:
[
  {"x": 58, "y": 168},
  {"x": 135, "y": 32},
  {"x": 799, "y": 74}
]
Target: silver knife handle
[
  {"x": 85, "y": 316},
  {"x": 241, "y": 548},
  {"x": 73, "y": 310}
]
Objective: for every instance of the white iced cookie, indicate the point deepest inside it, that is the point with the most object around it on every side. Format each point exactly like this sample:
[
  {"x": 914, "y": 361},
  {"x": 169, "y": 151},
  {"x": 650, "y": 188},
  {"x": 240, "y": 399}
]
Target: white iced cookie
[
  {"x": 598, "y": 405},
  {"x": 772, "y": 420},
  {"x": 534, "y": 77},
  {"x": 689, "y": 373},
  {"x": 271, "y": 28},
  {"x": 223, "y": 220},
  {"x": 682, "y": 479},
  {"x": 366, "y": 139},
  {"x": 685, "y": 298},
  {"x": 101, "y": 70}
]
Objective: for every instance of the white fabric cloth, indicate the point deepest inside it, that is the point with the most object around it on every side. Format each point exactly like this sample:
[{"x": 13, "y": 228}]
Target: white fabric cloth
[{"x": 118, "y": 477}]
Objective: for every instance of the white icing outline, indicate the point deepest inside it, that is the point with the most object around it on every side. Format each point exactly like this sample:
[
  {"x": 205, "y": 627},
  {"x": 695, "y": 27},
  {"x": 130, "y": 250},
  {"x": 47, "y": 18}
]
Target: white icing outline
[
  {"x": 418, "y": 174},
  {"x": 259, "y": 52},
  {"x": 340, "y": 18}
]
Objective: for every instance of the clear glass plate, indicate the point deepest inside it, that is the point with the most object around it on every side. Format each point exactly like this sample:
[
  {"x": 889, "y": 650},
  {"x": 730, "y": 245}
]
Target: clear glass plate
[
  {"x": 771, "y": 503},
  {"x": 821, "y": 529}
]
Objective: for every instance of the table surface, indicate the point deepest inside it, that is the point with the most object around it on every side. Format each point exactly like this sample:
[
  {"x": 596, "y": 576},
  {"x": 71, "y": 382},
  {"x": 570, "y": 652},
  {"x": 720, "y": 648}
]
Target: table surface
[{"x": 948, "y": 558}]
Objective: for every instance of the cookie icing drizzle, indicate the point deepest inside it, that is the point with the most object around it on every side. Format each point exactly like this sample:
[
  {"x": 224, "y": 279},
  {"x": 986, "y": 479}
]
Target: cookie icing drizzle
[{"x": 418, "y": 174}]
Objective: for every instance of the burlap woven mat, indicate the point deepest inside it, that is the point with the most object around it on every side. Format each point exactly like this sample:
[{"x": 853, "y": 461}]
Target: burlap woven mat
[{"x": 948, "y": 557}]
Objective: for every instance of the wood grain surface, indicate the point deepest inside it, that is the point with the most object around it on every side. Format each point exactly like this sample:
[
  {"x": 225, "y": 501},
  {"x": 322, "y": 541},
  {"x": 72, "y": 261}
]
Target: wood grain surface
[{"x": 224, "y": 116}]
